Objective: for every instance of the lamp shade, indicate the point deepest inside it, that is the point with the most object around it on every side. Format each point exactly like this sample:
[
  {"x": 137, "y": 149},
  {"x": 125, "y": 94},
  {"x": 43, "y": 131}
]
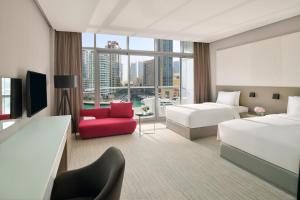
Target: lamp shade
[{"x": 65, "y": 81}]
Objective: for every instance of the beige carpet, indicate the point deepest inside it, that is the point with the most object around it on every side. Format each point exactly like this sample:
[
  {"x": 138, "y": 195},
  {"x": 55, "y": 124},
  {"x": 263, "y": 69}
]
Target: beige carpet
[{"x": 166, "y": 166}]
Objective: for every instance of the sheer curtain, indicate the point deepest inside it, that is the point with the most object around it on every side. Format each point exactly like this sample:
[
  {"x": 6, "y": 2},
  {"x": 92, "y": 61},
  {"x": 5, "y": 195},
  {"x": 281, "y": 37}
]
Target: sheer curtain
[
  {"x": 68, "y": 62},
  {"x": 201, "y": 72}
]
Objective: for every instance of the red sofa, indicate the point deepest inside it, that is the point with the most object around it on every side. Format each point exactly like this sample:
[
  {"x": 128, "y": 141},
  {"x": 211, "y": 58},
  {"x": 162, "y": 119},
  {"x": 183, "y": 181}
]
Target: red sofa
[
  {"x": 4, "y": 116},
  {"x": 116, "y": 120}
]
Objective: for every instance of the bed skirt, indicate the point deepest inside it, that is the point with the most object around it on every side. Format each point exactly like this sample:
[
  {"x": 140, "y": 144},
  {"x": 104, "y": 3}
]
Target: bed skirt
[
  {"x": 191, "y": 133},
  {"x": 273, "y": 174}
]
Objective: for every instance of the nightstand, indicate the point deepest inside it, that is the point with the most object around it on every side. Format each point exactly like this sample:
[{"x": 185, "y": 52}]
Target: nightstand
[{"x": 247, "y": 115}]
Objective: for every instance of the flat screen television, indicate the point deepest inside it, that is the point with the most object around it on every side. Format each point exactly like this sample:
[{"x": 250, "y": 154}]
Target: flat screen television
[
  {"x": 16, "y": 98},
  {"x": 36, "y": 92}
]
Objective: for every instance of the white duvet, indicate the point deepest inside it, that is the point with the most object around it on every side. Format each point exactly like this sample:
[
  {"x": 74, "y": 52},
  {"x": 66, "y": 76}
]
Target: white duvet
[
  {"x": 274, "y": 138},
  {"x": 201, "y": 115}
]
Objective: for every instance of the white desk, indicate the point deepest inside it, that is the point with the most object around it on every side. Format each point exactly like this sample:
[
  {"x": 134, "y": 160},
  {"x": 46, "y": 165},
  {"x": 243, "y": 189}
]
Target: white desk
[
  {"x": 30, "y": 158},
  {"x": 4, "y": 124}
]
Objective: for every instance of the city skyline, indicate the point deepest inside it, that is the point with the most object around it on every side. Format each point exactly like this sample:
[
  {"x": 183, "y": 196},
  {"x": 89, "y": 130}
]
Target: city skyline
[
  {"x": 117, "y": 75},
  {"x": 112, "y": 72}
]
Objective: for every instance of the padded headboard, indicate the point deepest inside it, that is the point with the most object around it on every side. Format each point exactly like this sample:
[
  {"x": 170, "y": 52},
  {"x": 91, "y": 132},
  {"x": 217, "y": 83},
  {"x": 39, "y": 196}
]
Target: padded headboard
[{"x": 263, "y": 97}]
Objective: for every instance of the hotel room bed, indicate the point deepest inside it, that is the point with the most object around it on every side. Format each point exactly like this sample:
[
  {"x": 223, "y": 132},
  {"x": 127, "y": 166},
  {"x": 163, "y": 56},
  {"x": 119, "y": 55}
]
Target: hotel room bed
[
  {"x": 198, "y": 120},
  {"x": 267, "y": 146}
]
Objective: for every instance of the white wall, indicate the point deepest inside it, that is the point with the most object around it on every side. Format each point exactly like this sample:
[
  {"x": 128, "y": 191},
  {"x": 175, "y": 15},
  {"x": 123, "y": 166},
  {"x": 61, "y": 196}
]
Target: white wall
[
  {"x": 26, "y": 43},
  {"x": 271, "y": 62},
  {"x": 281, "y": 28}
]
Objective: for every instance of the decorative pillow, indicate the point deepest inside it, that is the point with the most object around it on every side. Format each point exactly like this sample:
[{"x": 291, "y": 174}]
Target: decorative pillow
[
  {"x": 228, "y": 98},
  {"x": 293, "y": 106},
  {"x": 121, "y": 110},
  {"x": 89, "y": 117}
]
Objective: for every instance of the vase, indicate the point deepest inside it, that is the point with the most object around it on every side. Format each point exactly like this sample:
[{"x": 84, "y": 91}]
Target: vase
[{"x": 260, "y": 114}]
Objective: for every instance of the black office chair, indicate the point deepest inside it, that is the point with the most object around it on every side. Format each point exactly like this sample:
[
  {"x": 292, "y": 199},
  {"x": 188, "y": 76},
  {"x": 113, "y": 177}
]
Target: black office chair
[{"x": 101, "y": 180}]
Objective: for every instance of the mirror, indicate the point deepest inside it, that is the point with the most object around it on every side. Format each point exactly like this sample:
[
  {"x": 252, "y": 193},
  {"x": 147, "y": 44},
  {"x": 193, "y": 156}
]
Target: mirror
[{"x": 10, "y": 98}]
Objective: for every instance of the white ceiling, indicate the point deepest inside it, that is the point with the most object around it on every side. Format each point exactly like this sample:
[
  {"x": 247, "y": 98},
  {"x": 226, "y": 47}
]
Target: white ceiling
[{"x": 191, "y": 20}]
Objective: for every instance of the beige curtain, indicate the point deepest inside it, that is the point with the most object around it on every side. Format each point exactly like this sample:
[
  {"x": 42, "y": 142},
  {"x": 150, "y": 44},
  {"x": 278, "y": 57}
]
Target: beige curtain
[
  {"x": 68, "y": 62},
  {"x": 201, "y": 72}
]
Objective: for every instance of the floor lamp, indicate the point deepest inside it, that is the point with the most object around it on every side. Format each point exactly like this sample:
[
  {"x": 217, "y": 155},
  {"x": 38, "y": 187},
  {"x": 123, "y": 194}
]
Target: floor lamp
[{"x": 65, "y": 82}]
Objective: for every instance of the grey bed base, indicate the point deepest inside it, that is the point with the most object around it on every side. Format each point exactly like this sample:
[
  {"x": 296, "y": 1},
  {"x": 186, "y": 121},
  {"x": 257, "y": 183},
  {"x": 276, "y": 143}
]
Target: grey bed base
[
  {"x": 282, "y": 178},
  {"x": 191, "y": 133}
]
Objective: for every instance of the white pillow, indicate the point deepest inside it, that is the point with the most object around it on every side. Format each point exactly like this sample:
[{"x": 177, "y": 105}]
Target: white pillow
[
  {"x": 293, "y": 106},
  {"x": 237, "y": 98},
  {"x": 89, "y": 117},
  {"x": 228, "y": 98}
]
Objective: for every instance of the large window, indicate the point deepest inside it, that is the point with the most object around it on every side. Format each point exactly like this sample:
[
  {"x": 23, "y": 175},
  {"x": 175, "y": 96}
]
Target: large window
[{"x": 146, "y": 71}]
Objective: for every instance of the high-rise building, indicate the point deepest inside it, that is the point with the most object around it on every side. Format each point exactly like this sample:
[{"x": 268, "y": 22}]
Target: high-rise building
[
  {"x": 165, "y": 63},
  {"x": 104, "y": 74},
  {"x": 133, "y": 72},
  {"x": 88, "y": 70},
  {"x": 136, "y": 73},
  {"x": 140, "y": 68},
  {"x": 110, "y": 70},
  {"x": 176, "y": 67},
  {"x": 148, "y": 73}
]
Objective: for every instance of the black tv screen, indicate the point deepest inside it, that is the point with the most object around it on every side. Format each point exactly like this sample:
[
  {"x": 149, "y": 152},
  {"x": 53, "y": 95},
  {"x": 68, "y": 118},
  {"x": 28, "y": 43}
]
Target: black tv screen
[
  {"x": 16, "y": 98},
  {"x": 36, "y": 92}
]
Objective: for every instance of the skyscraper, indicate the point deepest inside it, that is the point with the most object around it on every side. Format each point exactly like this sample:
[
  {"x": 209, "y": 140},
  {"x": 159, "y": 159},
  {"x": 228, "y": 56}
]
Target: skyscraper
[
  {"x": 104, "y": 74},
  {"x": 136, "y": 73},
  {"x": 88, "y": 70},
  {"x": 148, "y": 73},
  {"x": 110, "y": 71},
  {"x": 176, "y": 66},
  {"x": 133, "y": 72},
  {"x": 114, "y": 64},
  {"x": 165, "y": 63}
]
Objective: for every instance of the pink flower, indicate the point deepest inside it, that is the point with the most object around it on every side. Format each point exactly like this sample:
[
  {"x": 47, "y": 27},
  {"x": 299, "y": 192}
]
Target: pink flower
[{"x": 259, "y": 109}]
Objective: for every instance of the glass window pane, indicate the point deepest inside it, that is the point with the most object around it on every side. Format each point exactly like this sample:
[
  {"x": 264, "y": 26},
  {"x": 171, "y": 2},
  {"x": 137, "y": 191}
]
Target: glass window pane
[
  {"x": 187, "y": 78},
  {"x": 142, "y": 71},
  {"x": 168, "y": 82},
  {"x": 113, "y": 78},
  {"x": 187, "y": 47},
  {"x": 6, "y": 85},
  {"x": 142, "y": 90},
  {"x": 6, "y": 105},
  {"x": 88, "y": 78},
  {"x": 167, "y": 45},
  {"x": 164, "y": 45},
  {"x": 176, "y": 46},
  {"x": 5, "y": 95},
  {"x": 111, "y": 41},
  {"x": 87, "y": 39},
  {"x": 141, "y": 43}
]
